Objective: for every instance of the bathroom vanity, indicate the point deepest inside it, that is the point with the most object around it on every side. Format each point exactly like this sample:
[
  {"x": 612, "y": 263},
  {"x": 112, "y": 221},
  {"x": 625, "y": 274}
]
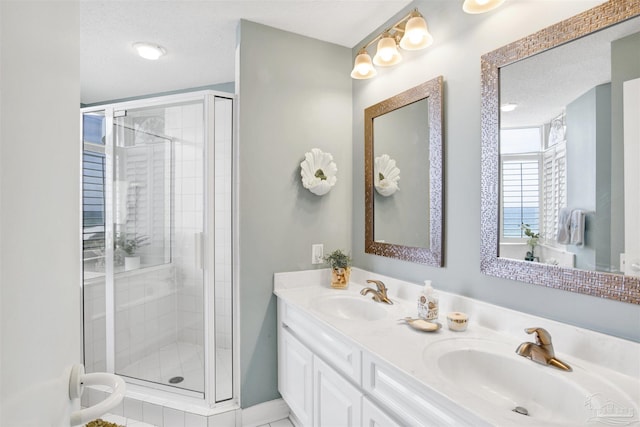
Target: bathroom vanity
[{"x": 346, "y": 360}]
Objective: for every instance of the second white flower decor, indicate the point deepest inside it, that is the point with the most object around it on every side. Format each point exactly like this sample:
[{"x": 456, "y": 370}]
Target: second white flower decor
[
  {"x": 386, "y": 175},
  {"x": 318, "y": 172}
]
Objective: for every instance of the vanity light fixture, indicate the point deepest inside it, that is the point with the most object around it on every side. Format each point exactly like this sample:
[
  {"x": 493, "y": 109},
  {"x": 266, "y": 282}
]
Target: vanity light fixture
[
  {"x": 363, "y": 67},
  {"x": 508, "y": 107},
  {"x": 480, "y": 6},
  {"x": 387, "y": 53},
  {"x": 410, "y": 33},
  {"x": 149, "y": 50}
]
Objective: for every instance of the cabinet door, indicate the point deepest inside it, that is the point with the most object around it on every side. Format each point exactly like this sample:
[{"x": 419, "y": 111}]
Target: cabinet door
[
  {"x": 295, "y": 376},
  {"x": 336, "y": 401},
  {"x": 372, "y": 416}
]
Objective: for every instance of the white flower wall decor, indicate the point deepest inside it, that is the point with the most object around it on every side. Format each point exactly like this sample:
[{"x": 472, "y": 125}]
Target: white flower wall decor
[
  {"x": 318, "y": 172},
  {"x": 386, "y": 175}
]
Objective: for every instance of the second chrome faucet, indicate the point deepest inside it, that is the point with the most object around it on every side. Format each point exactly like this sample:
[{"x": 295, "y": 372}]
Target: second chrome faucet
[{"x": 379, "y": 295}]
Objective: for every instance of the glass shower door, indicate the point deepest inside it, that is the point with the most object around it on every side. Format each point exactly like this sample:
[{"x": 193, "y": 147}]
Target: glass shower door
[{"x": 158, "y": 222}]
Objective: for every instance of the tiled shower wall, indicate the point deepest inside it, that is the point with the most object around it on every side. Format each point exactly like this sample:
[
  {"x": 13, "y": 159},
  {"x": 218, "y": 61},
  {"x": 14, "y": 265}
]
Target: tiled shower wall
[
  {"x": 146, "y": 317},
  {"x": 95, "y": 347},
  {"x": 145, "y": 313},
  {"x": 223, "y": 243},
  {"x": 185, "y": 124}
]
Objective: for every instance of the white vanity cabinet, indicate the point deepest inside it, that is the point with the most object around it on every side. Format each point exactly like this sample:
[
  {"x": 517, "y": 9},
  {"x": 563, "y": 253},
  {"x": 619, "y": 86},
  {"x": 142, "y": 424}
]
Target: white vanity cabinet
[
  {"x": 317, "y": 393},
  {"x": 372, "y": 416},
  {"x": 329, "y": 381},
  {"x": 336, "y": 402},
  {"x": 295, "y": 375}
]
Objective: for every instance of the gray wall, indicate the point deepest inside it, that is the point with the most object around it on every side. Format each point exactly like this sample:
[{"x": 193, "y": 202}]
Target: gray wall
[
  {"x": 295, "y": 94},
  {"x": 460, "y": 40},
  {"x": 625, "y": 65},
  {"x": 589, "y": 174}
]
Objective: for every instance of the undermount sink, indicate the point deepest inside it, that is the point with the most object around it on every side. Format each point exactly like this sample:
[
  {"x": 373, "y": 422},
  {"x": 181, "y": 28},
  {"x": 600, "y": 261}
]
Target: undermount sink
[
  {"x": 350, "y": 307},
  {"x": 489, "y": 373}
]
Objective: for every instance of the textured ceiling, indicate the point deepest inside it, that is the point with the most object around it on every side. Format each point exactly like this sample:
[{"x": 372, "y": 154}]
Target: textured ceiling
[
  {"x": 200, "y": 38},
  {"x": 544, "y": 84}
]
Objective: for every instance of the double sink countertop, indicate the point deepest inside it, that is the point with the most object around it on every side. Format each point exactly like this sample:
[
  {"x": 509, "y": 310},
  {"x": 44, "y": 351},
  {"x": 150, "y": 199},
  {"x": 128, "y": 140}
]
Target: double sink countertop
[{"x": 478, "y": 369}]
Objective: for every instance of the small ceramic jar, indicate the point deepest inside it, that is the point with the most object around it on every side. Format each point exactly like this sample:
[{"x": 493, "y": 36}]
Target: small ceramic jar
[{"x": 457, "y": 321}]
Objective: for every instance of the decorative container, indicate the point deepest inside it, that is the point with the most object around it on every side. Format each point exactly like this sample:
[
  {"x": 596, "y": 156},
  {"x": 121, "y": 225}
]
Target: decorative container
[{"x": 340, "y": 277}]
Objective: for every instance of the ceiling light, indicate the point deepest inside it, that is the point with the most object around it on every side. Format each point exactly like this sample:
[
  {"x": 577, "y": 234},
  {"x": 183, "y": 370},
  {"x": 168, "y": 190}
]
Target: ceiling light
[
  {"x": 508, "y": 107},
  {"x": 387, "y": 53},
  {"x": 149, "y": 50},
  {"x": 480, "y": 6},
  {"x": 416, "y": 35},
  {"x": 410, "y": 33},
  {"x": 363, "y": 68}
]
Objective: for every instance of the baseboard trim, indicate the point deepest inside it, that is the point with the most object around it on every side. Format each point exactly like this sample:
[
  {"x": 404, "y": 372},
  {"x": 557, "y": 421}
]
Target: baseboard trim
[{"x": 264, "y": 413}]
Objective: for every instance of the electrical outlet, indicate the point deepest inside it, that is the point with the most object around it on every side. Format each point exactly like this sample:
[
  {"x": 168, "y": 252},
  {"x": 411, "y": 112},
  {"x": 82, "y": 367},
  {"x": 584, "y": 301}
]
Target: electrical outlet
[{"x": 317, "y": 252}]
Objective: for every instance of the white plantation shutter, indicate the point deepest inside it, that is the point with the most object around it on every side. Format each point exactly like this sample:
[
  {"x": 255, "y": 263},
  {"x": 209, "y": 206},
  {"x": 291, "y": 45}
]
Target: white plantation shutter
[
  {"x": 520, "y": 193},
  {"x": 554, "y": 184}
]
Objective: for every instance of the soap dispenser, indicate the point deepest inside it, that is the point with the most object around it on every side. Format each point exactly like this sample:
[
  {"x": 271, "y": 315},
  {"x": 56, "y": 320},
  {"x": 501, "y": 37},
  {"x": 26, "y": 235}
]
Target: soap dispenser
[{"x": 428, "y": 303}]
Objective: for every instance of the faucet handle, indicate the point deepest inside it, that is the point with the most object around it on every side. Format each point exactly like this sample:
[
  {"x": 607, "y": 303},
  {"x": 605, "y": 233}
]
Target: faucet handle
[
  {"x": 542, "y": 336},
  {"x": 381, "y": 287}
]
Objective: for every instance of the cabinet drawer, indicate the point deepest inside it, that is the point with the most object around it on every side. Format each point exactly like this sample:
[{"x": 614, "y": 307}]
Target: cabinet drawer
[
  {"x": 411, "y": 401},
  {"x": 333, "y": 348}
]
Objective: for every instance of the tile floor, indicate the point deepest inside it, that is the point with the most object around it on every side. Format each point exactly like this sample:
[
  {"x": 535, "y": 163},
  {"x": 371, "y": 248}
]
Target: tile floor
[
  {"x": 280, "y": 423},
  {"x": 125, "y": 422},
  {"x": 122, "y": 421}
]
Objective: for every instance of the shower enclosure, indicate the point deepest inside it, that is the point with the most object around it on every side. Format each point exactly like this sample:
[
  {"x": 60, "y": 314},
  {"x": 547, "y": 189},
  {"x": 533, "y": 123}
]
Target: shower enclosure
[{"x": 157, "y": 243}]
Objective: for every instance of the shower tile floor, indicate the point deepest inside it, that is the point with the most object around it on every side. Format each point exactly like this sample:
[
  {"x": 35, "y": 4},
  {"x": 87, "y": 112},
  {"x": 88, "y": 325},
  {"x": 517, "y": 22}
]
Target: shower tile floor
[{"x": 180, "y": 359}]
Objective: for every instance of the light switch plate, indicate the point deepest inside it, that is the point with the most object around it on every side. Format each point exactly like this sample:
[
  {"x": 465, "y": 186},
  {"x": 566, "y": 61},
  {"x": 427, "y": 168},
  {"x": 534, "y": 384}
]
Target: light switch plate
[{"x": 317, "y": 252}]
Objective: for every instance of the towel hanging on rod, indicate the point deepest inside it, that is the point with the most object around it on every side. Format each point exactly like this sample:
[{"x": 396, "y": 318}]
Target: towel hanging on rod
[{"x": 577, "y": 227}]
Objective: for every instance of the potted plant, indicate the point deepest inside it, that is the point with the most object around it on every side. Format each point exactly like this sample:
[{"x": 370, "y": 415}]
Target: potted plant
[
  {"x": 129, "y": 247},
  {"x": 532, "y": 241},
  {"x": 340, "y": 268}
]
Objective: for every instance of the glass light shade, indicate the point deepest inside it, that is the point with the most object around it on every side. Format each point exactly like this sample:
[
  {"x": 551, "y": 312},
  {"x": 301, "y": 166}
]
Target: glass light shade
[
  {"x": 387, "y": 53},
  {"x": 480, "y": 6},
  {"x": 149, "y": 50},
  {"x": 416, "y": 35},
  {"x": 362, "y": 67}
]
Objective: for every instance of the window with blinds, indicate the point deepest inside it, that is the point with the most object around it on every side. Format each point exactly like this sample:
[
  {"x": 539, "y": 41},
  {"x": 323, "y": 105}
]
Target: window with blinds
[
  {"x": 93, "y": 178},
  {"x": 554, "y": 185},
  {"x": 520, "y": 194}
]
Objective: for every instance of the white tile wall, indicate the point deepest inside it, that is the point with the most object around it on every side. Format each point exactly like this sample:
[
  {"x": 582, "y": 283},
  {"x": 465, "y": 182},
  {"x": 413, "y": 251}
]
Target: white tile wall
[
  {"x": 223, "y": 238},
  {"x": 187, "y": 126},
  {"x": 94, "y": 325},
  {"x": 145, "y": 316},
  {"x": 152, "y": 414}
]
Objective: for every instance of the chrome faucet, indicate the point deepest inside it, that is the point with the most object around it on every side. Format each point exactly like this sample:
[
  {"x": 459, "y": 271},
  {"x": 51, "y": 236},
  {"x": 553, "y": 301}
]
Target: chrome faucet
[
  {"x": 380, "y": 295},
  {"x": 541, "y": 351}
]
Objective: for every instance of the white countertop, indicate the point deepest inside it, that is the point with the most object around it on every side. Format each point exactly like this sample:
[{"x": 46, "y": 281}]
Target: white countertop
[{"x": 392, "y": 340}]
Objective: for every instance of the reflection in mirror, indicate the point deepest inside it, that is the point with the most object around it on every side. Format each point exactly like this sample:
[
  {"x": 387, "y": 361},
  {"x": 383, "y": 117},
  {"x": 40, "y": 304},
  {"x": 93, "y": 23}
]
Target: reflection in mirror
[
  {"x": 403, "y": 138},
  {"x": 403, "y": 134},
  {"x": 554, "y": 182}
]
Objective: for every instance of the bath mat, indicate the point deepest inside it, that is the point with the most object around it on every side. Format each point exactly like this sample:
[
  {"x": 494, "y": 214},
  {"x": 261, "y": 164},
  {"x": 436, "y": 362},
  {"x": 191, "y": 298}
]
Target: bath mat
[{"x": 102, "y": 423}]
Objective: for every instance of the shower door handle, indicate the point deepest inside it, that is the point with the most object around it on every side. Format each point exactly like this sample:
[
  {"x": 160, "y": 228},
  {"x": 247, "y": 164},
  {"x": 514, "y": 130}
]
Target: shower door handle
[{"x": 199, "y": 245}]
